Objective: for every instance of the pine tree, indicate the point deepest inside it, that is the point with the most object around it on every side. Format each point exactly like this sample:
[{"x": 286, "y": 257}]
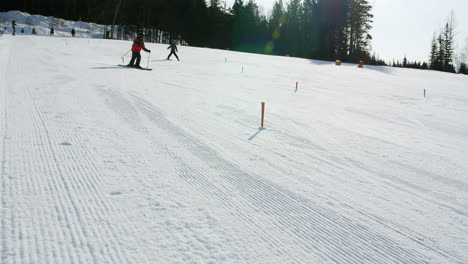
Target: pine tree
[
  {"x": 360, "y": 25},
  {"x": 447, "y": 37},
  {"x": 277, "y": 16},
  {"x": 309, "y": 28},
  {"x": 434, "y": 54},
  {"x": 249, "y": 28},
  {"x": 440, "y": 54},
  {"x": 292, "y": 30},
  {"x": 333, "y": 18},
  {"x": 276, "y": 22},
  {"x": 463, "y": 69},
  {"x": 239, "y": 30}
]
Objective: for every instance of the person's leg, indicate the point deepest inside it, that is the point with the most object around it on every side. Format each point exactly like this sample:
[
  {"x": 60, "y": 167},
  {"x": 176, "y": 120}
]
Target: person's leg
[
  {"x": 170, "y": 54},
  {"x": 175, "y": 54},
  {"x": 134, "y": 56},
  {"x": 138, "y": 59}
]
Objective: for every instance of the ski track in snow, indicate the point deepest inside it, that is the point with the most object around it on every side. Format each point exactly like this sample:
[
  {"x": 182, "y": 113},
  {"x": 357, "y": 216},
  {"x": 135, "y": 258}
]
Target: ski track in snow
[
  {"x": 5, "y": 53},
  {"x": 63, "y": 195},
  {"x": 315, "y": 228}
]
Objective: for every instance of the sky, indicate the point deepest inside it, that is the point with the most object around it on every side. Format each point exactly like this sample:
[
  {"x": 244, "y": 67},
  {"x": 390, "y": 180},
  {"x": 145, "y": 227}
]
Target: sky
[{"x": 406, "y": 27}]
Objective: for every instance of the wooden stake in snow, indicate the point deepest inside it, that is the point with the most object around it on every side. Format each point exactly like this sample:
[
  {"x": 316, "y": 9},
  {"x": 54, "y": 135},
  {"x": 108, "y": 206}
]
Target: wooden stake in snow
[
  {"x": 297, "y": 84},
  {"x": 263, "y": 111}
]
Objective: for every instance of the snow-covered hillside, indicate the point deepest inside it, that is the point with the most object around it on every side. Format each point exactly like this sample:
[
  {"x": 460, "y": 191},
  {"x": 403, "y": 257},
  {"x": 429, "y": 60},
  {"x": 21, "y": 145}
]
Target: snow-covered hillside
[
  {"x": 43, "y": 24},
  {"x": 106, "y": 164}
]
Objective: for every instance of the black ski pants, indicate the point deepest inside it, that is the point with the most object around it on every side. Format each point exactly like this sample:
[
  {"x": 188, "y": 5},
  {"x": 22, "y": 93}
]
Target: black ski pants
[
  {"x": 172, "y": 52},
  {"x": 135, "y": 56}
]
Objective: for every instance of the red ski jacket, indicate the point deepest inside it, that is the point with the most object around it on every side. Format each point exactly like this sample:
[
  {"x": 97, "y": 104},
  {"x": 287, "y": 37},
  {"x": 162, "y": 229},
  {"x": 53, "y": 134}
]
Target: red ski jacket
[{"x": 138, "y": 45}]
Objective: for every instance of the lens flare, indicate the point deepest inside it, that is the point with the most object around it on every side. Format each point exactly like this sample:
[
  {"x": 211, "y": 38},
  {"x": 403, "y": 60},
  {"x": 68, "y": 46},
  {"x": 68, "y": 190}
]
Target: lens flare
[
  {"x": 269, "y": 47},
  {"x": 276, "y": 34}
]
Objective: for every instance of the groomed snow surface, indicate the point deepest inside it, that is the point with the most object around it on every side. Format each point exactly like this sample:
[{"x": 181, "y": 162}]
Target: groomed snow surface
[{"x": 106, "y": 164}]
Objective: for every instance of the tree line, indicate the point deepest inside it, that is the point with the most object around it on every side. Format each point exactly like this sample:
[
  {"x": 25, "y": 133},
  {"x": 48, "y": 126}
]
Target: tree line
[
  {"x": 315, "y": 29},
  {"x": 410, "y": 64},
  {"x": 442, "y": 56},
  {"x": 318, "y": 29}
]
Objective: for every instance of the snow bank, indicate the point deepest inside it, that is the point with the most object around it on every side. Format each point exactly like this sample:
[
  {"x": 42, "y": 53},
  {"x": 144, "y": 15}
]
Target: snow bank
[{"x": 43, "y": 24}]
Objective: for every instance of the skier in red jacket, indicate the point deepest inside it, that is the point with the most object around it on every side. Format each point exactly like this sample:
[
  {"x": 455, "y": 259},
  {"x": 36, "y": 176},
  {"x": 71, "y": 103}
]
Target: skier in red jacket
[{"x": 138, "y": 45}]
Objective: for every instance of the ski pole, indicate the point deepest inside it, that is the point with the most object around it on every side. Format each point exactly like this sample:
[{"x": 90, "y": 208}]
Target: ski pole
[
  {"x": 123, "y": 61},
  {"x": 126, "y": 53},
  {"x": 147, "y": 64}
]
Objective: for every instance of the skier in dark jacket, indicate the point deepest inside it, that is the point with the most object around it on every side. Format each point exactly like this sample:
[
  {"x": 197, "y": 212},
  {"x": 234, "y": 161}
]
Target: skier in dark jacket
[
  {"x": 13, "y": 25},
  {"x": 73, "y": 32},
  {"x": 52, "y": 31},
  {"x": 138, "y": 45},
  {"x": 173, "y": 48}
]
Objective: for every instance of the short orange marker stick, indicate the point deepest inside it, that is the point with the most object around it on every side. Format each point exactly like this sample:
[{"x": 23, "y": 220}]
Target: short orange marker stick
[{"x": 263, "y": 112}]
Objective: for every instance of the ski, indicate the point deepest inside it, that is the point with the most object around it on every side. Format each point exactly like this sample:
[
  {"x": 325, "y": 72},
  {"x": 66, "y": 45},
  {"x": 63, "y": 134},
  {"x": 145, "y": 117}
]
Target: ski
[{"x": 133, "y": 67}]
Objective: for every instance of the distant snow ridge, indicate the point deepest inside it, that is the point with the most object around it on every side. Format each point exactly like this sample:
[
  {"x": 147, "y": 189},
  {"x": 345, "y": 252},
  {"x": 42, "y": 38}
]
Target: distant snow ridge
[{"x": 42, "y": 24}]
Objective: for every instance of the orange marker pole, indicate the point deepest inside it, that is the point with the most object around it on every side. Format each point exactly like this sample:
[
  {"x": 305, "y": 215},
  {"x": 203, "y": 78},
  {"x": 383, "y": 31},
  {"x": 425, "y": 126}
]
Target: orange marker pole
[
  {"x": 263, "y": 111},
  {"x": 297, "y": 83}
]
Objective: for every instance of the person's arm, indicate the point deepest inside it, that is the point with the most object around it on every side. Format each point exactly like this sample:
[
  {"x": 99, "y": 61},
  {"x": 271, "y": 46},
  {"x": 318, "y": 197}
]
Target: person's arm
[{"x": 145, "y": 49}]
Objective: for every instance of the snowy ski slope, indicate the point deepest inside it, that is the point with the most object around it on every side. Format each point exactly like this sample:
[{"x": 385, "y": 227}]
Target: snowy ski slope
[{"x": 105, "y": 164}]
